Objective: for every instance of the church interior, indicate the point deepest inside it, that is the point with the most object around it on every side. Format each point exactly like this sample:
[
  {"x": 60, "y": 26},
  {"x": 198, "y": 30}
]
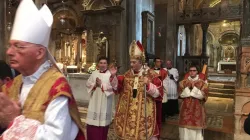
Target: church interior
[{"x": 215, "y": 33}]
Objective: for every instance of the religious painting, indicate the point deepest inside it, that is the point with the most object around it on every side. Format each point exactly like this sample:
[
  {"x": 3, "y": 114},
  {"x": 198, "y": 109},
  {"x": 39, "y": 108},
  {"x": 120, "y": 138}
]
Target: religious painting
[
  {"x": 150, "y": 37},
  {"x": 148, "y": 34}
]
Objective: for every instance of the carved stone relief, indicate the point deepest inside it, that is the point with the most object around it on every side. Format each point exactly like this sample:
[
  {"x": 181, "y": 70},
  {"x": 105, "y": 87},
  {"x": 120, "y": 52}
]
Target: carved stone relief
[
  {"x": 209, "y": 14},
  {"x": 181, "y": 5},
  {"x": 102, "y": 23},
  {"x": 99, "y": 4},
  {"x": 242, "y": 109},
  {"x": 245, "y": 61},
  {"x": 102, "y": 45}
]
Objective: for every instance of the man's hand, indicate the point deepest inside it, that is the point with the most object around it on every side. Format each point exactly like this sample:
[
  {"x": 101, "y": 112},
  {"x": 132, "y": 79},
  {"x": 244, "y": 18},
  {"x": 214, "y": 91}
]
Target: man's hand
[
  {"x": 193, "y": 82},
  {"x": 9, "y": 110},
  {"x": 113, "y": 70},
  {"x": 98, "y": 82},
  {"x": 198, "y": 84},
  {"x": 146, "y": 80},
  {"x": 189, "y": 84},
  {"x": 171, "y": 76}
]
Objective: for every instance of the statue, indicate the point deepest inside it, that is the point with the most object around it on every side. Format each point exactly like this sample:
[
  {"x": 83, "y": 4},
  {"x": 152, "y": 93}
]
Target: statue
[
  {"x": 82, "y": 48},
  {"x": 229, "y": 53},
  {"x": 181, "y": 5},
  {"x": 92, "y": 68},
  {"x": 102, "y": 43}
]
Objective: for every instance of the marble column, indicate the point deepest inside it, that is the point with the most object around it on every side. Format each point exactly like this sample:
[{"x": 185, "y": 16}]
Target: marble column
[
  {"x": 188, "y": 38},
  {"x": 242, "y": 98},
  {"x": 204, "y": 27},
  {"x": 171, "y": 31},
  {"x": 2, "y": 28}
]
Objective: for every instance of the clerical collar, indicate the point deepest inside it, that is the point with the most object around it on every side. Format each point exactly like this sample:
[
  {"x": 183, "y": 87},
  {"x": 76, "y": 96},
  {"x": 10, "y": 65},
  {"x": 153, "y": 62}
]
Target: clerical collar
[
  {"x": 103, "y": 71},
  {"x": 35, "y": 76},
  {"x": 193, "y": 79},
  {"x": 157, "y": 68},
  {"x": 137, "y": 72}
]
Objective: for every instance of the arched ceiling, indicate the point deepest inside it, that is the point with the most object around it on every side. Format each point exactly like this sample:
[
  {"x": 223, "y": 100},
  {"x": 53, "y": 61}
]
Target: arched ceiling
[{"x": 229, "y": 38}]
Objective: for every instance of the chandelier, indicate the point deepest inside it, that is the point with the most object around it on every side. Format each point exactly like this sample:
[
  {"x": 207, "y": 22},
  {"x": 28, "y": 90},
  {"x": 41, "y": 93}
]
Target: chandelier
[
  {"x": 9, "y": 24},
  {"x": 62, "y": 17}
]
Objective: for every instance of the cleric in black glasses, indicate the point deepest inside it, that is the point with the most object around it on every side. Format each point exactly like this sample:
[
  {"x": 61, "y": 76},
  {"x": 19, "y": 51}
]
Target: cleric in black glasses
[{"x": 193, "y": 91}]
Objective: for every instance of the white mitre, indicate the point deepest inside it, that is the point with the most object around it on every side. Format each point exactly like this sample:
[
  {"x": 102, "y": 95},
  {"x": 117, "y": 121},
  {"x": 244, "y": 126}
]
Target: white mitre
[{"x": 33, "y": 25}]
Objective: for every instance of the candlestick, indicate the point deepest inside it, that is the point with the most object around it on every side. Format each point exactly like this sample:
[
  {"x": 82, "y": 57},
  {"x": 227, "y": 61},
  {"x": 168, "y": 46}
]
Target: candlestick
[
  {"x": 60, "y": 55},
  {"x": 74, "y": 54},
  {"x": 65, "y": 50},
  {"x": 68, "y": 51},
  {"x": 107, "y": 49},
  {"x": 80, "y": 50}
]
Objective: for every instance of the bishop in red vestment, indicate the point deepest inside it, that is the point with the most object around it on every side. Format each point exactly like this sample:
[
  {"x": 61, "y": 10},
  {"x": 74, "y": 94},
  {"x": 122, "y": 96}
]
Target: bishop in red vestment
[{"x": 130, "y": 120}]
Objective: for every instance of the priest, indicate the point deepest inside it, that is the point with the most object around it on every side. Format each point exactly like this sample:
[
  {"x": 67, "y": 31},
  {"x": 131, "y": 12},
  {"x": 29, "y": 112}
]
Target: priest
[
  {"x": 38, "y": 104},
  {"x": 100, "y": 85},
  {"x": 194, "y": 92},
  {"x": 160, "y": 105}
]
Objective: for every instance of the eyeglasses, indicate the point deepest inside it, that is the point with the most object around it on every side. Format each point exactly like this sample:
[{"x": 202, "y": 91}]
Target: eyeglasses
[
  {"x": 17, "y": 47},
  {"x": 192, "y": 70}
]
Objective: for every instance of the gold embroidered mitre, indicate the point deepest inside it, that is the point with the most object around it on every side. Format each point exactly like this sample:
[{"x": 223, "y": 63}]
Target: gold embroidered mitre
[{"x": 136, "y": 51}]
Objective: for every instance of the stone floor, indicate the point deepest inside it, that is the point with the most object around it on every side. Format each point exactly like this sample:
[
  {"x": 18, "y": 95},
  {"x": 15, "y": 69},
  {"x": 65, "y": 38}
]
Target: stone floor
[{"x": 220, "y": 121}]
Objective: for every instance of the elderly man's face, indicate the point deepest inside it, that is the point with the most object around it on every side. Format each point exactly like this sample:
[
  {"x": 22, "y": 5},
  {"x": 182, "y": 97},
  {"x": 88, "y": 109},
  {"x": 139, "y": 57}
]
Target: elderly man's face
[
  {"x": 135, "y": 64},
  {"x": 23, "y": 55}
]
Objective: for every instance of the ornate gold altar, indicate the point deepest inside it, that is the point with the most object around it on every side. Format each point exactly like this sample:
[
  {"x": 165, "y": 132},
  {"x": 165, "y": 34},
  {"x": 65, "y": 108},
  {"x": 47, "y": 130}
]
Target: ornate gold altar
[{"x": 77, "y": 44}]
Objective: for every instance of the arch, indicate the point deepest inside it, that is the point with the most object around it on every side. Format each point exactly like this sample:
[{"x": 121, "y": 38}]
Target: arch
[
  {"x": 229, "y": 37},
  {"x": 211, "y": 35},
  {"x": 70, "y": 15},
  {"x": 246, "y": 107},
  {"x": 198, "y": 4},
  {"x": 229, "y": 31},
  {"x": 97, "y": 4}
]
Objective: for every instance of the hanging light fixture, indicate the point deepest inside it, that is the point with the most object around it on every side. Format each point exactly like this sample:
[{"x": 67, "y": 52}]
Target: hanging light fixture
[
  {"x": 62, "y": 19},
  {"x": 62, "y": 16},
  {"x": 9, "y": 24}
]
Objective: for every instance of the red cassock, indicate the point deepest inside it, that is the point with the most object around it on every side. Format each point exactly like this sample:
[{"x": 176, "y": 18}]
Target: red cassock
[{"x": 162, "y": 75}]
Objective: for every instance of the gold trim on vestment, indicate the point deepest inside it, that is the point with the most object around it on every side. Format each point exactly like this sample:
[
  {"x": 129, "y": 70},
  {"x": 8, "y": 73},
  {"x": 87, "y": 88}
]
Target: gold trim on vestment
[
  {"x": 39, "y": 96},
  {"x": 130, "y": 118}
]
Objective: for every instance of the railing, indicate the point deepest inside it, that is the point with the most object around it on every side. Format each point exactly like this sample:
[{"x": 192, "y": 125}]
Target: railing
[{"x": 210, "y": 14}]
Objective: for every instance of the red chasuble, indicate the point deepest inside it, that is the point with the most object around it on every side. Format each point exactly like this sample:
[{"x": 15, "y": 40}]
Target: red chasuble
[{"x": 192, "y": 112}]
